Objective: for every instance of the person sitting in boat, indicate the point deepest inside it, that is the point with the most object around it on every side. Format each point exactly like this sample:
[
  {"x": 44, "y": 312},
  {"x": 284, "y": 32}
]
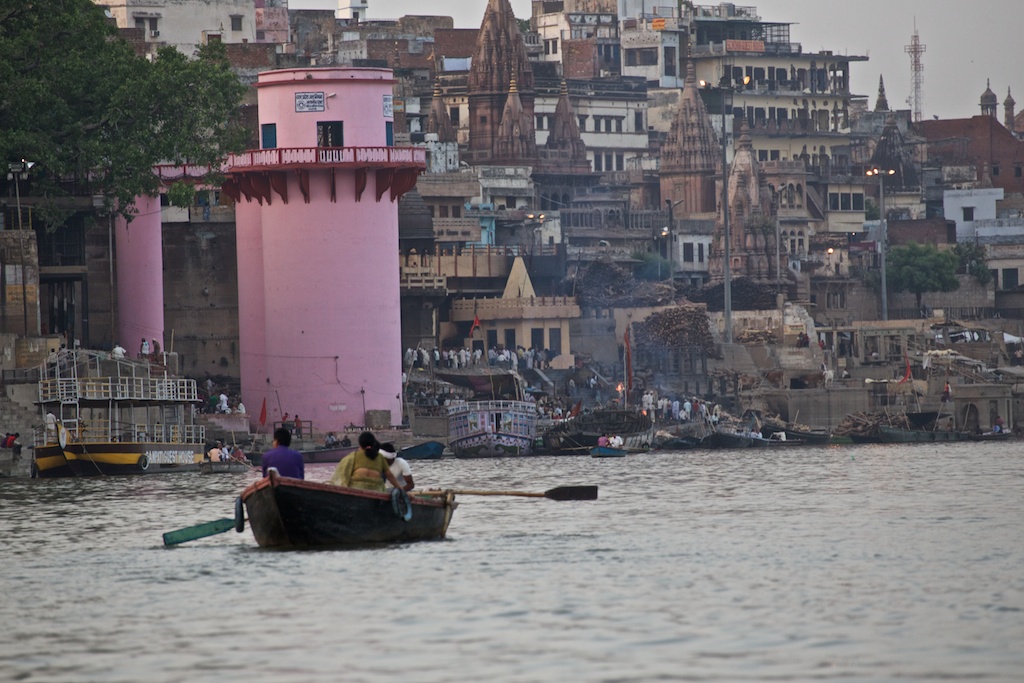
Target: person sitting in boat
[
  {"x": 615, "y": 441},
  {"x": 602, "y": 441},
  {"x": 282, "y": 458},
  {"x": 364, "y": 468},
  {"x": 331, "y": 441},
  {"x": 399, "y": 466},
  {"x": 999, "y": 425},
  {"x": 213, "y": 455},
  {"x": 346, "y": 442}
]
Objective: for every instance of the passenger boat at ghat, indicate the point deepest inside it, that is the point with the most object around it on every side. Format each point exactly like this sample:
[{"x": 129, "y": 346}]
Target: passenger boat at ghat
[
  {"x": 294, "y": 513},
  {"x": 578, "y": 435},
  {"x": 492, "y": 428},
  {"x": 102, "y": 415}
]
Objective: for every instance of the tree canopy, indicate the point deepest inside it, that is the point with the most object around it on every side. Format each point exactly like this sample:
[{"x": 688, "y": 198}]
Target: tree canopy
[
  {"x": 921, "y": 268},
  {"x": 94, "y": 116}
]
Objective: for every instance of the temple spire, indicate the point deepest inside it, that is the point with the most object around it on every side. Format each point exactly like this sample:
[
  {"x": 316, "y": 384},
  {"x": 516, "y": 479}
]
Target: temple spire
[{"x": 882, "y": 103}]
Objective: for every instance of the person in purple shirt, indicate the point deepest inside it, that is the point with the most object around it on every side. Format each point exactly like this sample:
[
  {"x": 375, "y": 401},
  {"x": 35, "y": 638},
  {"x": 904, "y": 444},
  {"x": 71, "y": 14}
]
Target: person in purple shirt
[{"x": 287, "y": 462}]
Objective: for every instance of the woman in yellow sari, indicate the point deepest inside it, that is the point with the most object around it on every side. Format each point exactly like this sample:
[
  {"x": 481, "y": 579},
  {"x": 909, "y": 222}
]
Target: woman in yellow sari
[{"x": 364, "y": 468}]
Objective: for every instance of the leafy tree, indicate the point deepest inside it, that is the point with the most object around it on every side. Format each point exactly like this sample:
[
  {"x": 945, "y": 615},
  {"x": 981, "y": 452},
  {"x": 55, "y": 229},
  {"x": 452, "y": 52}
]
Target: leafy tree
[
  {"x": 974, "y": 261},
  {"x": 921, "y": 268},
  {"x": 94, "y": 116}
]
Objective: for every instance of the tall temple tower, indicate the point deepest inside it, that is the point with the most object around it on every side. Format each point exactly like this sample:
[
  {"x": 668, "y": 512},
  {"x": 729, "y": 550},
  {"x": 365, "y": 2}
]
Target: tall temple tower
[
  {"x": 751, "y": 240},
  {"x": 692, "y": 154},
  {"x": 317, "y": 226},
  {"x": 499, "y": 61}
]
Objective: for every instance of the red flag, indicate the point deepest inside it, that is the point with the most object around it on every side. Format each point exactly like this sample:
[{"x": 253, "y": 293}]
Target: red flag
[
  {"x": 263, "y": 412},
  {"x": 476, "y": 324},
  {"x": 629, "y": 365},
  {"x": 906, "y": 375},
  {"x": 576, "y": 409}
]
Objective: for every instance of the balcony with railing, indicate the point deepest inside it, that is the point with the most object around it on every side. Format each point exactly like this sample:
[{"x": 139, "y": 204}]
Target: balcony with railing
[{"x": 324, "y": 157}]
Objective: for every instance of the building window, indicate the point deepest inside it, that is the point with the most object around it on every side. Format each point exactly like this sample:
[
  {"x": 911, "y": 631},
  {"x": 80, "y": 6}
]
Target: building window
[
  {"x": 670, "y": 61},
  {"x": 608, "y": 162},
  {"x": 968, "y": 213},
  {"x": 555, "y": 340},
  {"x": 236, "y": 22},
  {"x": 1009, "y": 278},
  {"x": 540, "y": 122},
  {"x": 330, "y": 134},
  {"x": 858, "y": 201},
  {"x": 582, "y": 121},
  {"x": 688, "y": 252},
  {"x": 453, "y": 114},
  {"x": 154, "y": 25},
  {"x": 1017, "y": 172},
  {"x": 773, "y": 155},
  {"x": 597, "y": 162},
  {"x": 140, "y": 23},
  {"x": 995, "y": 171},
  {"x": 762, "y": 155},
  {"x": 638, "y": 120},
  {"x": 268, "y": 135},
  {"x": 389, "y": 133},
  {"x": 700, "y": 253},
  {"x": 620, "y": 162}
]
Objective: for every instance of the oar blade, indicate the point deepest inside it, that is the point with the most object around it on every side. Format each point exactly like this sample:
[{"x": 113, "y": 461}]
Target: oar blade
[
  {"x": 572, "y": 493},
  {"x": 192, "y": 533}
]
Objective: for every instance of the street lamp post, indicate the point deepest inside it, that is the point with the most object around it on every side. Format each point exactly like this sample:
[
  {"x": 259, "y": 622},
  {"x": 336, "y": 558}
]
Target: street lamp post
[
  {"x": 669, "y": 233},
  {"x": 723, "y": 90},
  {"x": 884, "y": 240},
  {"x": 18, "y": 172}
]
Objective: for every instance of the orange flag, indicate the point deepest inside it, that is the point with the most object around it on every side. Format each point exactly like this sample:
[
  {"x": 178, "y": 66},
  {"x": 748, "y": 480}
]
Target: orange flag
[
  {"x": 263, "y": 412},
  {"x": 476, "y": 324}
]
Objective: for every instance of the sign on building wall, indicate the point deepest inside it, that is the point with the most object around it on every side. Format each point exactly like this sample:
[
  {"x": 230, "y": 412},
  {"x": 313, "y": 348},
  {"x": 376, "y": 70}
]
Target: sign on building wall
[
  {"x": 389, "y": 106},
  {"x": 309, "y": 102},
  {"x": 744, "y": 46}
]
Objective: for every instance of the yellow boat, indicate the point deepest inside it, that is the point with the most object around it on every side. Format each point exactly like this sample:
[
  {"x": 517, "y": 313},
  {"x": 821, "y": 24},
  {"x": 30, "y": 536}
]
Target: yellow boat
[{"x": 103, "y": 416}]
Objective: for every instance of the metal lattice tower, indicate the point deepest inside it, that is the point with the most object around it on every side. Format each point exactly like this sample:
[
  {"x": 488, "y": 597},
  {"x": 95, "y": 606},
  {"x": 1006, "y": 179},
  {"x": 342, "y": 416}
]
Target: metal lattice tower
[{"x": 915, "y": 50}]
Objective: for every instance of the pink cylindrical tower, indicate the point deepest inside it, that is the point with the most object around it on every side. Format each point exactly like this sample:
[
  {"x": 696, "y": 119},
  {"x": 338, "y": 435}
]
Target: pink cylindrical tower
[
  {"x": 319, "y": 310},
  {"x": 140, "y": 276}
]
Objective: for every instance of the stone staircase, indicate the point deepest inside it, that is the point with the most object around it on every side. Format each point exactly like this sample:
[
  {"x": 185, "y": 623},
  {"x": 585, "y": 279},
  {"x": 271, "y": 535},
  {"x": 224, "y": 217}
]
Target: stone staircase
[{"x": 20, "y": 419}]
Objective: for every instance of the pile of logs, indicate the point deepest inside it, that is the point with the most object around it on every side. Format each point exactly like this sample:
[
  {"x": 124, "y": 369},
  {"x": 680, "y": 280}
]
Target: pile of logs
[
  {"x": 747, "y": 295},
  {"x": 756, "y": 337},
  {"x": 682, "y": 327},
  {"x": 605, "y": 284},
  {"x": 866, "y": 424}
]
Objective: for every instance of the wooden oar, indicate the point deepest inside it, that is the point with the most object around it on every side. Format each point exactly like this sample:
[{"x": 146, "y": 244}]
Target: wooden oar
[
  {"x": 557, "y": 493},
  {"x": 192, "y": 533}
]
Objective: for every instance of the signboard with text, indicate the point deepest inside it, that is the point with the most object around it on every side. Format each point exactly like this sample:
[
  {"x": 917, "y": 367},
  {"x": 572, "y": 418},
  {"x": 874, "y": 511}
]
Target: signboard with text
[
  {"x": 309, "y": 102},
  {"x": 744, "y": 46}
]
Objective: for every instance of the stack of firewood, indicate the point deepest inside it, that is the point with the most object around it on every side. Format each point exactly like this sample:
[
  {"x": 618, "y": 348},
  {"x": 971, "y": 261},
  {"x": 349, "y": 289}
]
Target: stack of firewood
[
  {"x": 756, "y": 337},
  {"x": 605, "y": 284},
  {"x": 747, "y": 295},
  {"x": 682, "y": 327},
  {"x": 867, "y": 424}
]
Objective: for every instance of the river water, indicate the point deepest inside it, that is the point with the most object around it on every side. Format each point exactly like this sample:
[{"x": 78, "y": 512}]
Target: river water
[{"x": 868, "y": 563}]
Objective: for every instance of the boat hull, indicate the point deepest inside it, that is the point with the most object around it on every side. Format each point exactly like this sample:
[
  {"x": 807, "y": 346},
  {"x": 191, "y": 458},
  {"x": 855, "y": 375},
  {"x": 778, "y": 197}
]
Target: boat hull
[
  {"x": 578, "y": 435},
  {"x": 428, "y": 450},
  {"x": 231, "y": 467},
  {"x": 607, "y": 452},
  {"x": 893, "y": 435},
  {"x": 292, "y": 513},
  {"x": 492, "y": 429},
  {"x": 115, "y": 458}
]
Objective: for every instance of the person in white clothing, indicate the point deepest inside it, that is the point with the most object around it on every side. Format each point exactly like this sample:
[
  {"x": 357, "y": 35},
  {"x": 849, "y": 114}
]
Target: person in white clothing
[
  {"x": 399, "y": 466},
  {"x": 118, "y": 351}
]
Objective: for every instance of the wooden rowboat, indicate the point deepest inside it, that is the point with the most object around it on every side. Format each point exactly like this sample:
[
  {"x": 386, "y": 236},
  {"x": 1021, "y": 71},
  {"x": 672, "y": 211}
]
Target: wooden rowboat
[
  {"x": 428, "y": 450},
  {"x": 607, "y": 452},
  {"x": 293, "y": 513},
  {"x": 224, "y": 466}
]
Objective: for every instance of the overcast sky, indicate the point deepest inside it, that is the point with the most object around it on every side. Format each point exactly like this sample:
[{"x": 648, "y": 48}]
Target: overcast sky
[{"x": 967, "y": 42}]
